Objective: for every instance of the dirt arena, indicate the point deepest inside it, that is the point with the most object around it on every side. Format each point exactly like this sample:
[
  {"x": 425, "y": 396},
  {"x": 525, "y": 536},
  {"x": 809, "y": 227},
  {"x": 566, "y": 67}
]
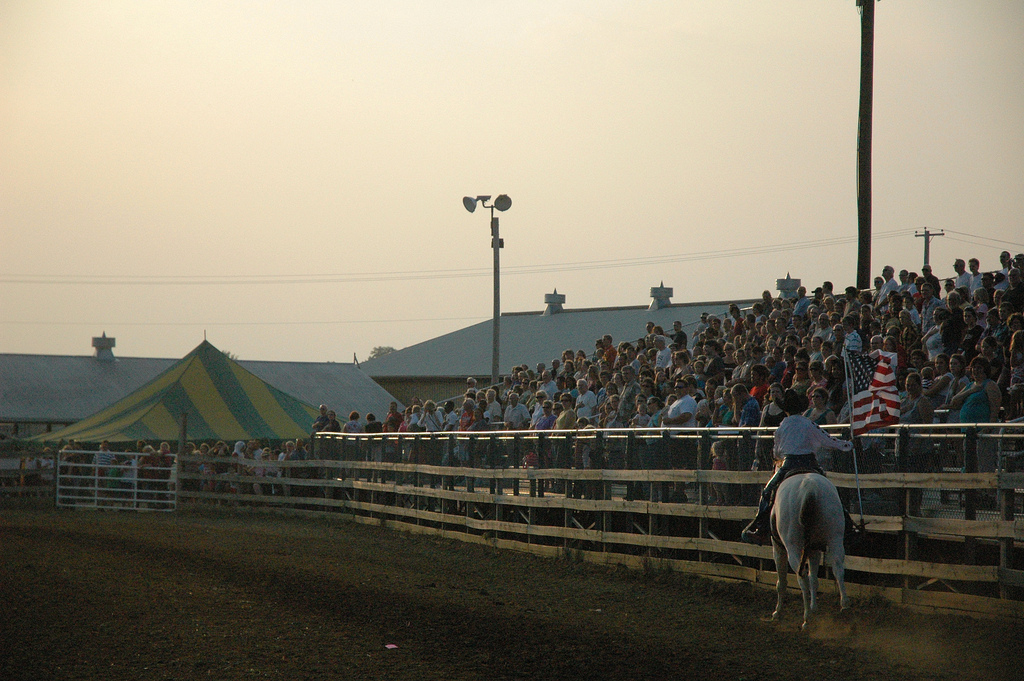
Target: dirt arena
[{"x": 93, "y": 595}]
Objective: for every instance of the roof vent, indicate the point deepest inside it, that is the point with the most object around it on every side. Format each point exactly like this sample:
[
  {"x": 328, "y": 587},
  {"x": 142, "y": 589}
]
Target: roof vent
[
  {"x": 104, "y": 348},
  {"x": 660, "y": 296},
  {"x": 553, "y": 303},
  {"x": 787, "y": 287}
]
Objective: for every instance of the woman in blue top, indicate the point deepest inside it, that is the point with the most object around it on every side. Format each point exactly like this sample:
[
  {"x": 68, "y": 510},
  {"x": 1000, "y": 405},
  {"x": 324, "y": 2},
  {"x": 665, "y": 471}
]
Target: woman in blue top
[{"x": 980, "y": 401}]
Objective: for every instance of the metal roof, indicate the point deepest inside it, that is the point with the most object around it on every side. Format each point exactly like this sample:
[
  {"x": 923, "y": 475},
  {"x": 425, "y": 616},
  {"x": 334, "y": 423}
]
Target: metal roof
[
  {"x": 344, "y": 387},
  {"x": 67, "y": 388},
  {"x": 531, "y": 337},
  {"x": 64, "y": 388}
]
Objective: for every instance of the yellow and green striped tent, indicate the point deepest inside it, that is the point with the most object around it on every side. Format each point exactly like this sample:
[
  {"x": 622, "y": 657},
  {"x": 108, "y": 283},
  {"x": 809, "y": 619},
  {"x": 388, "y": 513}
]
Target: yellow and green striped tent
[{"x": 222, "y": 401}]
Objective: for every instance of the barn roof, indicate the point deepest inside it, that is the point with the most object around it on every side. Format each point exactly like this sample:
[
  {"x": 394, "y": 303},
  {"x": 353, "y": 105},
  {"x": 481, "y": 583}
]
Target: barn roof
[
  {"x": 532, "y": 337},
  {"x": 221, "y": 399},
  {"x": 67, "y": 388}
]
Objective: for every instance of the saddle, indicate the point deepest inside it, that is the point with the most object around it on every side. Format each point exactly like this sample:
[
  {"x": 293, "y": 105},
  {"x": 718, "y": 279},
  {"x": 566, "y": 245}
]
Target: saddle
[{"x": 799, "y": 471}]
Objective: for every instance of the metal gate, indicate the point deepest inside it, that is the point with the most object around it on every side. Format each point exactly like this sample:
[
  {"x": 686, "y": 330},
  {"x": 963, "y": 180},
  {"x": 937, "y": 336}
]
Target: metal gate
[{"x": 122, "y": 482}]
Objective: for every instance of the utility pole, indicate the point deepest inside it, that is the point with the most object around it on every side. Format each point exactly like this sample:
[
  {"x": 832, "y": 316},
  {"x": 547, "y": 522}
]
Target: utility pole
[
  {"x": 867, "y": 58},
  {"x": 928, "y": 236}
]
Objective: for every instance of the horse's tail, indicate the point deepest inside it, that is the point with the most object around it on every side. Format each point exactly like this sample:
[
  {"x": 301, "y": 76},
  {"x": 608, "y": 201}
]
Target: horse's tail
[{"x": 808, "y": 516}]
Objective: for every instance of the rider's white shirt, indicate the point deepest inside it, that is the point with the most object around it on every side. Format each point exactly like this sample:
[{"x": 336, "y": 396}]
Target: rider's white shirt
[{"x": 798, "y": 435}]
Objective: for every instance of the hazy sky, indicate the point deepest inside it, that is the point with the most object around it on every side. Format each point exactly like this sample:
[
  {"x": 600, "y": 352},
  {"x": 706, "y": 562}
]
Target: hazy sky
[{"x": 288, "y": 176}]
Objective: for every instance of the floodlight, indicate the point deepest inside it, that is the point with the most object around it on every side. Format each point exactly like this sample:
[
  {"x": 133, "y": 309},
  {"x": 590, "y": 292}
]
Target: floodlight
[{"x": 501, "y": 203}]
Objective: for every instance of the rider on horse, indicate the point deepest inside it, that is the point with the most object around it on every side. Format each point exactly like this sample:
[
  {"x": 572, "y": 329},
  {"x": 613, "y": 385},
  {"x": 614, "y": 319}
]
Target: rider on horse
[{"x": 796, "y": 440}]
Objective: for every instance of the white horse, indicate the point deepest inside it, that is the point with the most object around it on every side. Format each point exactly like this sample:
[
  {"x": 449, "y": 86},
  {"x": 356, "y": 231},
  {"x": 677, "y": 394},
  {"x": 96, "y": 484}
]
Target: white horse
[{"x": 807, "y": 519}]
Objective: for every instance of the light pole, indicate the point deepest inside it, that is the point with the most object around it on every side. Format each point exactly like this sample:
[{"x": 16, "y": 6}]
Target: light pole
[{"x": 501, "y": 203}]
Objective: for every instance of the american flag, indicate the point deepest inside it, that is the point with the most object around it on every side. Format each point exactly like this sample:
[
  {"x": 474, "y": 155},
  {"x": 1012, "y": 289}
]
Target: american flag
[{"x": 876, "y": 402}]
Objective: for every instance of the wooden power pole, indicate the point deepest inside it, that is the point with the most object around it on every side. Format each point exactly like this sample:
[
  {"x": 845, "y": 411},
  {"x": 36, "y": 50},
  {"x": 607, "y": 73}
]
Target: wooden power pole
[{"x": 867, "y": 59}]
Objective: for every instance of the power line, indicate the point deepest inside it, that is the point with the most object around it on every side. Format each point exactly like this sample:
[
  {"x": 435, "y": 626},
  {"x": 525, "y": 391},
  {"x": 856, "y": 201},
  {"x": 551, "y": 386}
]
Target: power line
[
  {"x": 415, "y": 275},
  {"x": 985, "y": 238},
  {"x": 205, "y": 324}
]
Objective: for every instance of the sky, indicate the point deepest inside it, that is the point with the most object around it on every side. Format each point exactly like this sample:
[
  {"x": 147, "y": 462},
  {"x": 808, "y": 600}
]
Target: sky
[{"x": 285, "y": 179}]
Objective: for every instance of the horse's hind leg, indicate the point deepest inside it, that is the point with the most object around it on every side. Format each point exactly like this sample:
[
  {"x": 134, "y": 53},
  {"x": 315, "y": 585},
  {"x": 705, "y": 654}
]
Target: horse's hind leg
[
  {"x": 813, "y": 563},
  {"x": 838, "y": 557},
  {"x": 805, "y": 588},
  {"x": 782, "y": 568}
]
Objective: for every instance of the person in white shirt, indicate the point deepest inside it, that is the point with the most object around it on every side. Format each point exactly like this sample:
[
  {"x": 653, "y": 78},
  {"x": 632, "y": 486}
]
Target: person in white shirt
[
  {"x": 975, "y": 267},
  {"x": 430, "y": 420},
  {"x": 547, "y": 383},
  {"x": 963, "y": 277},
  {"x": 493, "y": 413},
  {"x": 586, "y": 402},
  {"x": 1006, "y": 260},
  {"x": 796, "y": 440},
  {"x": 888, "y": 286},
  {"x": 451, "y": 417},
  {"x": 538, "y": 408},
  {"x": 517, "y": 416},
  {"x": 663, "y": 360},
  {"x": 682, "y": 413},
  {"x": 852, "y": 341}
]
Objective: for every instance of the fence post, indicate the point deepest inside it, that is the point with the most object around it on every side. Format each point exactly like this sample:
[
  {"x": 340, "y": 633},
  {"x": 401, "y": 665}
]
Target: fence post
[
  {"x": 665, "y": 462},
  {"x": 703, "y": 456},
  {"x": 628, "y": 456},
  {"x": 517, "y": 460},
  {"x": 536, "y": 486},
  {"x": 492, "y": 458},
  {"x": 970, "y": 495},
  {"x": 909, "y": 502},
  {"x": 1007, "y": 506}
]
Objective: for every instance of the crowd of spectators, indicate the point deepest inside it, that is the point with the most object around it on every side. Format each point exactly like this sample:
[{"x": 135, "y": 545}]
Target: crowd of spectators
[
  {"x": 958, "y": 346},
  {"x": 961, "y": 339}
]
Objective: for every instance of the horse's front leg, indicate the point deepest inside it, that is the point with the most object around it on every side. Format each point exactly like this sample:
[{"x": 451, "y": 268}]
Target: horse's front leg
[{"x": 782, "y": 568}]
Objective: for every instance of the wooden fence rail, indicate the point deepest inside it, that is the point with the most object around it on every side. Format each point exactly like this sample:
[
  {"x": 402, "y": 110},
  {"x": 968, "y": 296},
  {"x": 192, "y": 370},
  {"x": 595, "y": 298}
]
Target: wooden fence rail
[{"x": 914, "y": 555}]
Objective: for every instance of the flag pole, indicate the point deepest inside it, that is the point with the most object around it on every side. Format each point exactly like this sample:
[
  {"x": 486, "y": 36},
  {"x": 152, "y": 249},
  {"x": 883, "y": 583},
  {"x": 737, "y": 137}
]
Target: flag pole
[{"x": 849, "y": 401}]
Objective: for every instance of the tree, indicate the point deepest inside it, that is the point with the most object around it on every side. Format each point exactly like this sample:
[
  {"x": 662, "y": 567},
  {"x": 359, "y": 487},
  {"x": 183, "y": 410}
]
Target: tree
[{"x": 380, "y": 351}]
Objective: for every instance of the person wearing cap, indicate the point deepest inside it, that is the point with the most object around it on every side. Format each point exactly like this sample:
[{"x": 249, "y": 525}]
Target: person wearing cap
[
  {"x": 796, "y": 440},
  {"x": 321, "y": 420},
  {"x": 926, "y": 272},
  {"x": 681, "y": 413},
  {"x": 702, "y": 326}
]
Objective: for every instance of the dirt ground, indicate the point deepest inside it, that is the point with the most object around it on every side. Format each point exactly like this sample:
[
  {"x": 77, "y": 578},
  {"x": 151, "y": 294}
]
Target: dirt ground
[{"x": 94, "y": 595}]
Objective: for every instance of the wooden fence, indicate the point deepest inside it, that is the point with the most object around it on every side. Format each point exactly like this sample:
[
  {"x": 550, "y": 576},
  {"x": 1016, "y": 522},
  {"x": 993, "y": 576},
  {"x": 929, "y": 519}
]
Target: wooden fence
[
  {"x": 938, "y": 540},
  {"x": 26, "y": 477}
]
